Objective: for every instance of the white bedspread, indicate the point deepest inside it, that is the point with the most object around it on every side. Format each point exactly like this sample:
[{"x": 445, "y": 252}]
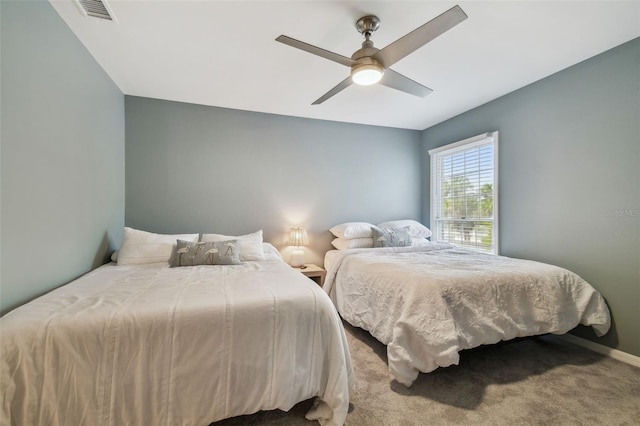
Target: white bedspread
[
  {"x": 148, "y": 345},
  {"x": 428, "y": 303}
]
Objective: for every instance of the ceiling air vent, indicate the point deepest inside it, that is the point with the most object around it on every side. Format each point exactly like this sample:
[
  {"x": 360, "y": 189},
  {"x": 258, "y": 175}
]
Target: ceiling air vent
[{"x": 95, "y": 8}]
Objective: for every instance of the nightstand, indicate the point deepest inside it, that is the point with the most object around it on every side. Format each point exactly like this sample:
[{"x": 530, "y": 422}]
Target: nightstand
[{"x": 314, "y": 272}]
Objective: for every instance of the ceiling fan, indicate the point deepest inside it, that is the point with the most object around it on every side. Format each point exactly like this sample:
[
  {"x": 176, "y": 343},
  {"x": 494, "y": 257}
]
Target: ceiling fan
[{"x": 370, "y": 65}]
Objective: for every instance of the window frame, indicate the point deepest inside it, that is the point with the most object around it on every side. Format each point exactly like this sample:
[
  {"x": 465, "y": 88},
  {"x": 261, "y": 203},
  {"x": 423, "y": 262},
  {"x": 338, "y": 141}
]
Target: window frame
[{"x": 452, "y": 148}]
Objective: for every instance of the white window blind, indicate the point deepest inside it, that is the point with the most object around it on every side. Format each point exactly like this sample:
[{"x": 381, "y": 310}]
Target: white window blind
[{"x": 464, "y": 193}]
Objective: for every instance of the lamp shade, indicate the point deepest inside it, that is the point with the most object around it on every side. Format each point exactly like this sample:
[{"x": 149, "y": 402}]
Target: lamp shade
[{"x": 298, "y": 237}]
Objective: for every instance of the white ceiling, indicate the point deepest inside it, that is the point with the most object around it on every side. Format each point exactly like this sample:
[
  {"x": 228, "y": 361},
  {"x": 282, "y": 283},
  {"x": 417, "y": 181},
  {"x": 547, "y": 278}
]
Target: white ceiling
[{"x": 223, "y": 53}]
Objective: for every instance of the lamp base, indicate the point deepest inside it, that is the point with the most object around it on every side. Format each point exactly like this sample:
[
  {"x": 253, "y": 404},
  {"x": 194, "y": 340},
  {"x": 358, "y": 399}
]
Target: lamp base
[{"x": 297, "y": 258}]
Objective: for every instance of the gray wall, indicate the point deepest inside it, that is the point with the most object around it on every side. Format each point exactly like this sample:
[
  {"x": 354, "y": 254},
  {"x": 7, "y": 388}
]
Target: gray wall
[
  {"x": 569, "y": 166},
  {"x": 62, "y": 165},
  {"x": 192, "y": 168}
]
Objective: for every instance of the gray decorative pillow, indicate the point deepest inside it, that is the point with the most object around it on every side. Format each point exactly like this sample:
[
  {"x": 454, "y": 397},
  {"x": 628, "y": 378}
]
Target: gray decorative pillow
[
  {"x": 388, "y": 237},
  {"x": 188, "y": 253}
]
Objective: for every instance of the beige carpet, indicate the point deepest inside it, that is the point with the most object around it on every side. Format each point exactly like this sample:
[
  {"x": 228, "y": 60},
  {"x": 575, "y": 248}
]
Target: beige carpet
[{"x": 537, "y": 381}]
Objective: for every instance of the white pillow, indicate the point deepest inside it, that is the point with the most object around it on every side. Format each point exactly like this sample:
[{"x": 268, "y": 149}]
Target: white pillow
[
  {"x": 419, "y": 242},
  {"x": 345, "y": 244},
  {"x": 250, "y": 246},
  {"x": 416, "y": 229},
  {"x": 352, "y": 230},
  {"x": 270, "y": 250},
  {"x": 141, "y": 247}
]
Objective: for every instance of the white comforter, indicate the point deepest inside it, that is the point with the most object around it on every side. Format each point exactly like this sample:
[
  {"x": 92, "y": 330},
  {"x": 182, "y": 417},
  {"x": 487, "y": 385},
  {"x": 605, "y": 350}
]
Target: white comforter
[
  {"x": 428, "y": 303},
  {"x": 136, "y": 345}
]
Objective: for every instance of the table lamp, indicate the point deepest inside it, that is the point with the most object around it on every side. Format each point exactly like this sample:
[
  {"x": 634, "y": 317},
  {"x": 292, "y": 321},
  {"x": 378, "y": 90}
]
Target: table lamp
[{"x": 298, "y": 237}]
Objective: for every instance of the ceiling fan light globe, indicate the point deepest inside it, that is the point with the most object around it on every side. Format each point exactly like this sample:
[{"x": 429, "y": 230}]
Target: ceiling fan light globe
[{"x": 367, "y": 75}]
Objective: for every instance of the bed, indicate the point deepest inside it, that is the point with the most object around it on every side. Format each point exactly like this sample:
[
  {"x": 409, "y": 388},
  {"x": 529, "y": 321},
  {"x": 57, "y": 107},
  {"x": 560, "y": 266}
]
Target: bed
[
  {"x": 154, "y": 345},
  {"x": 428, "y": 303}
]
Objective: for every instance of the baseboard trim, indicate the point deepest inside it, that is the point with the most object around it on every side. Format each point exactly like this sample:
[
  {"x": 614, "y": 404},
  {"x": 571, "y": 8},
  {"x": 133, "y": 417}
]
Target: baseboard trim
[{"x": 602, "y": 349}]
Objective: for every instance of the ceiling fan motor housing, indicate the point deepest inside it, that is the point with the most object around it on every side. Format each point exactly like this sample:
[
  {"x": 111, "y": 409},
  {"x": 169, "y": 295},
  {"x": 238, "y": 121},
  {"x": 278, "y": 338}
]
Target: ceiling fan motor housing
[{"x": 366, "y": 62}]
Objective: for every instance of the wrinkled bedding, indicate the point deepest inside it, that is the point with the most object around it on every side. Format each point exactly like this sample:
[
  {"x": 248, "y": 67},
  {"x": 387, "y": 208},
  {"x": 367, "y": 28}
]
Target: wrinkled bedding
[
  {"x": 152, "y": 345},
  {"x": 429, "y": 303}
]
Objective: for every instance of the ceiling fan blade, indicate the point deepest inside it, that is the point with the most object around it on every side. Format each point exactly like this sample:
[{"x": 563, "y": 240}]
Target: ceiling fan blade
[
  {"x": 404, "y": 84},
  {"x": 339, "y": 88},
  {"x": 316, "y": 50},
  {"x": 420, "y": 36}
]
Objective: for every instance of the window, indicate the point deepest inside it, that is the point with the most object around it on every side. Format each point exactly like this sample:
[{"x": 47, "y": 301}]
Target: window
[{"x": 464, "y": 193}]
